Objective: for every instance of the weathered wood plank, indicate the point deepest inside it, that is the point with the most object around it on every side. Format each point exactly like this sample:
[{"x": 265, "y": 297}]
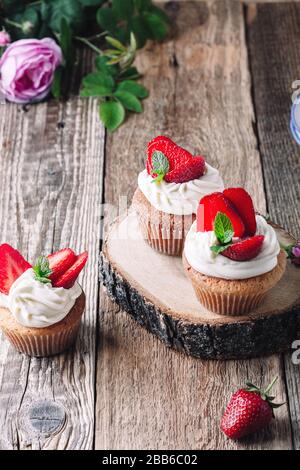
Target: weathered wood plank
[
  {"x": 275, "y": 62},
  {"x": 150, "y": 396},
  {"x": 50, "y": 194}
]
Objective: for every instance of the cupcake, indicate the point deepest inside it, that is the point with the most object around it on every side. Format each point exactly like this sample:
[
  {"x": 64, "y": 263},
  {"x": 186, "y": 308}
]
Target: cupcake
[
  {"x": 231, "y": 255},
  {"x": 41, "y": 306},
  {"x": 168, "y": 193}
]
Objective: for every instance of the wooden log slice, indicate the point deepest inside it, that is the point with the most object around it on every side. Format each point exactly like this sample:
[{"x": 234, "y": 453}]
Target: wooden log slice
[{"x": 154, "y": 290}]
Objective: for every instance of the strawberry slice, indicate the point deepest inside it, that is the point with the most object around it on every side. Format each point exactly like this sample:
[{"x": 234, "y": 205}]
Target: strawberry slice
[
  {"x": 204, "y": 218},
  {"x": 214, "y": 203},
  {"x": 187, "y": 172},
  {"x": 68, "y": 278},
  {"x": 182, "y": 165},
  {"x": 12, "y": 265},
  {"x": 60, "y": 262},
  {"x": 245, "y": 250},
  {"x": 242, "y": 201}
]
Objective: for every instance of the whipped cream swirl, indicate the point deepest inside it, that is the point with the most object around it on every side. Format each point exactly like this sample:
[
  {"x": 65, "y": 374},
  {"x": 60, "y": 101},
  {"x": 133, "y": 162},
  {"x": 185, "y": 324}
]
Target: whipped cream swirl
[
  {"x": 202, "y": 259},
  {"x": 38, "y": 305},
  {"x": 180, "y": 198}
]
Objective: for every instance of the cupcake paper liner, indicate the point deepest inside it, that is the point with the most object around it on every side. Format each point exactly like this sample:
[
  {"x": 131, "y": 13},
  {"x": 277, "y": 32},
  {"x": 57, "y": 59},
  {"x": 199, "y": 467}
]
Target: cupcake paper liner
[
  {"x": 233, "y": 297},
  {"x": 39, "y": 342}
]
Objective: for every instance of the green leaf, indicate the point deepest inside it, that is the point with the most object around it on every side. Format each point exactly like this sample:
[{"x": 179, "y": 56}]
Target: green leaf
[
  {"x": 91, "y": 3},
  {"x": 130, "y": 73},
  {"x": 223, "y": 228},
  {"x": 140, "y": 29},
  {"x": 160, "y": 165},
  {"x": 112, "y": 114},
  {"x": 53, "y": 11},
  {"x": 115, "y": 43},
  {"x": 136, "y": 89},
  {"x": 156, "y": 26},
  {"x": 142, "y": 5},
  {"x": 56, "y": 84},
  {"x": 129, "y": 101},
  {"x": 123, "y": 8},
  {"x": 65, "y": 40},
  {"x": 161, "y": 13},
  {"x": 107, "y": 19},
  {"x": 95, "y": 90},
  {"x": 217, "y": 249},
  {"x": 42, "y": 270},
  {"x": 102, "y": 65},
  {"x": 99, "y": 79}
]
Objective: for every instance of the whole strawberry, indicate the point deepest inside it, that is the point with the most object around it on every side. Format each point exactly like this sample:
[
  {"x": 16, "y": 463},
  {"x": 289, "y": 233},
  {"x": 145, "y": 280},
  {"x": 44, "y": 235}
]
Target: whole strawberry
[{"x": 249, "y": 410}]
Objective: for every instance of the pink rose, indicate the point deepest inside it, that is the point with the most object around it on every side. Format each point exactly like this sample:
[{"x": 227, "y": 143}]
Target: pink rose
[
  {"x": 27, "y": 69},
  {"x": 4, "y": 38}
]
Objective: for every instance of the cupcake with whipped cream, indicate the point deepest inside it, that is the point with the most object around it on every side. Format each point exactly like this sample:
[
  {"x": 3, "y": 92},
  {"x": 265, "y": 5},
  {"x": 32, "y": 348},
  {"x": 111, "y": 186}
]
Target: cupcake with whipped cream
[
  {"x": 232, "y": 255},
  {"x": 168, "y": 193},
  {"x": 41, "y": 306}
]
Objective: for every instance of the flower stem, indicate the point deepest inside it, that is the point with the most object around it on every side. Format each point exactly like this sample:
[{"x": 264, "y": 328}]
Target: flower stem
[
  {"x": 89, "y": 44},
  {"x": 13, "y": 23}
]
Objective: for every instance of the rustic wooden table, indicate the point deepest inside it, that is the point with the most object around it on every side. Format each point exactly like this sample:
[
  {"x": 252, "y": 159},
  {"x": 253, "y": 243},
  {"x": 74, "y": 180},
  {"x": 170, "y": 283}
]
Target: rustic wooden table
[{"x": 221, "y": 84}]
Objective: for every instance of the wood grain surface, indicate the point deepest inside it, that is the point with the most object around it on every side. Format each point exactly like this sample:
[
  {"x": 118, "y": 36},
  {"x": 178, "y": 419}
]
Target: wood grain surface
[
  {"x": 273, "y": 75},
  {"x": 210, "y": 90},
  {"x": 201, "y": 96},
  {"x": 50, "y": 195}
]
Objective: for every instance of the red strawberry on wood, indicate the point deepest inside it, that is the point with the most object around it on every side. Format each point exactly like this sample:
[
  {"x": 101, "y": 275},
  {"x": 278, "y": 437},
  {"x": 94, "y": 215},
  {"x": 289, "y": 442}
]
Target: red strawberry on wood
[
  {"x": 249, "y": 410},
  {"x": 12, "y": 265},
  {"x": 167, "y": 160}
]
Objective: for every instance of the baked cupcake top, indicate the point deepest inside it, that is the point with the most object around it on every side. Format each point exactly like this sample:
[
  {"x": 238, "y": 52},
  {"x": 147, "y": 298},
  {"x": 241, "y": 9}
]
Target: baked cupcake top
[
  {"x": 41, "y": 295},
  {"x": 174, "y": 180},
  {"x": 228, "y": 240}
]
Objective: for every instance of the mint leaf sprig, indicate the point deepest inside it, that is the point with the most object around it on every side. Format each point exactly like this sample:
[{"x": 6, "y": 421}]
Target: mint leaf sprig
[
  {"x": 160, "y": 166},
  {"x": 42, "y": 270},
  {"x": 224, "y": 232}
]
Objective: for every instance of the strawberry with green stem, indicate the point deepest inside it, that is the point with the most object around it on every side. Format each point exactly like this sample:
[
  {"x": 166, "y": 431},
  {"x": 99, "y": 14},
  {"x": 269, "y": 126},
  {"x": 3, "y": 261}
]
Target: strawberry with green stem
[{"x": 249, "y": 410}]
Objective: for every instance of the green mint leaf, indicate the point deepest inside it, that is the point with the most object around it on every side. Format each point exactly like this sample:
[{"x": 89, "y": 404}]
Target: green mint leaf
[
  {"x": 223, "y": 228},
  {"x": 228, "y": 234},
  {"x": 129, "y": 101},
  {"x": 160, "y": 165},
  {"x": 112, "y": 114},
  {"x": 136, "y": 89},
  {"x": 217, "y": 249},
  {"x": 42, "y": 270}
]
